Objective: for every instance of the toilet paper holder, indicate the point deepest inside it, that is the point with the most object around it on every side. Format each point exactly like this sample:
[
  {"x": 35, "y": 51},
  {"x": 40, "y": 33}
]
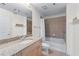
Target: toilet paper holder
[{"x": 75, "y": 20}]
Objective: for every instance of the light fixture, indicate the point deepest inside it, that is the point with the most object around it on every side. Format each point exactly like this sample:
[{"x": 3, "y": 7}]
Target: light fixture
[
  {"x": 44, "y": 7},
  {"x": 3, "y": 3},
  {"x": 53, "y": 3}
]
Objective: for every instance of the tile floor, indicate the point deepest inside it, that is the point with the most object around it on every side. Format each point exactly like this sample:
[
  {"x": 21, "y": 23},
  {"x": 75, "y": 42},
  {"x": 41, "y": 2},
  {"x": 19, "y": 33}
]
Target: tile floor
[{"x": 56, "y": 53}]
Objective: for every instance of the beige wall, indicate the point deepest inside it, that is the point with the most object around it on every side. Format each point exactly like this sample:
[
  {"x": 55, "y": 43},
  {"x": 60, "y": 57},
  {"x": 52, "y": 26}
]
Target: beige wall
[
  {"x": 55, "y": 27},
  {"x": 36, "y": 32},
  {"x": 72, "y": 36}
]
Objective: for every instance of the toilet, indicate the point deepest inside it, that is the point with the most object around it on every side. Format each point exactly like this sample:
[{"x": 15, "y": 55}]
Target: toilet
[{"x": 45, "y": 48}]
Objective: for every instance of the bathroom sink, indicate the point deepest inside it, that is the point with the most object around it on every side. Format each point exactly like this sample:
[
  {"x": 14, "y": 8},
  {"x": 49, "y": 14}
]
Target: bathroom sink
[
  {"x": 27, "y": 38},
  {"x": 17, "y": 42}
]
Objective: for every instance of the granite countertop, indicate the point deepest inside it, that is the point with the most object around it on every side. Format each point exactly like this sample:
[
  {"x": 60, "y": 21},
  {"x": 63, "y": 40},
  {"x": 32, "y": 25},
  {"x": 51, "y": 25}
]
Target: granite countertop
[{"x": 13, "y": 47}]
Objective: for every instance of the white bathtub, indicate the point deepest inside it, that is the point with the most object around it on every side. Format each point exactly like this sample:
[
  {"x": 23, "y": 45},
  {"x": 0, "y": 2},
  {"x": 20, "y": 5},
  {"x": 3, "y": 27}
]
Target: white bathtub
[{"x": 56, "y": 43}]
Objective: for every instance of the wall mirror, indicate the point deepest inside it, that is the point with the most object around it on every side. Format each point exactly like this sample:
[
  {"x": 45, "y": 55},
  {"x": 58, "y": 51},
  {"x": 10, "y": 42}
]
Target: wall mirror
[{"x": 15, "y": 20}]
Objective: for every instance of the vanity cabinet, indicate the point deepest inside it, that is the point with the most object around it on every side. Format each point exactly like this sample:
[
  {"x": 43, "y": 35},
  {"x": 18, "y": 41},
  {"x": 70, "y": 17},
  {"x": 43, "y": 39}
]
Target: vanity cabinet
[
  {"x": 19, "y": 53},
  {"x": 32, "y": 50}
]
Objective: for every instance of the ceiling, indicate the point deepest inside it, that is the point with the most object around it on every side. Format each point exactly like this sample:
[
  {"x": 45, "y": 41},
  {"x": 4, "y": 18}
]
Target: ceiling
[
  {"x": 49, "y": 9},
  {"x": 17, "y": 8},
  {"x": 45, "y": 9}
]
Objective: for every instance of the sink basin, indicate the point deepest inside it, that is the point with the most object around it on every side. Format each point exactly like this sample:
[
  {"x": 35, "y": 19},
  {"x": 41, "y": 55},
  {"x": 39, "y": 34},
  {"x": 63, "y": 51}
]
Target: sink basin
[
  {"x": 27, "y": 39},
  {"x": 19, "y": 41}
]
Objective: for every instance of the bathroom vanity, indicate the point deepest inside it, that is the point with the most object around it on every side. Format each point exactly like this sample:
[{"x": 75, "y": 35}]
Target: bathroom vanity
[
  {"x": 30, "y": 46},
  {"x": 32, "y": 50}
]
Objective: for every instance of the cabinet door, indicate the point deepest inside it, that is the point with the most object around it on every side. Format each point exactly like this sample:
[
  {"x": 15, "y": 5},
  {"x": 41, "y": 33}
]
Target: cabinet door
[
  {"x": 33, "y": 50},
  {"x": 19, "y": 53},
  {"x": 38, "y": 51}
]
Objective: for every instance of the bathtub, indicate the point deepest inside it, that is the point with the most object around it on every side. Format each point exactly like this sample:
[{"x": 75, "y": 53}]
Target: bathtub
[{"x": 56, "y": 44}]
